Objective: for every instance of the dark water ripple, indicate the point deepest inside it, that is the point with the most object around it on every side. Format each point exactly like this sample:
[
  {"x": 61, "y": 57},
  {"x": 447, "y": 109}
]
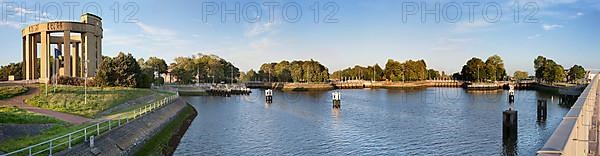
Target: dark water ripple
[{"x": 434, "y": 121}]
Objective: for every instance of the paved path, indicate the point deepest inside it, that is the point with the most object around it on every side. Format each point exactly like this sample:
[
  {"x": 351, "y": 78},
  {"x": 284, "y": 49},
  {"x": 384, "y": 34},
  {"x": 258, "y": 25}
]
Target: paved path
[{"x": 19, "y": 101}]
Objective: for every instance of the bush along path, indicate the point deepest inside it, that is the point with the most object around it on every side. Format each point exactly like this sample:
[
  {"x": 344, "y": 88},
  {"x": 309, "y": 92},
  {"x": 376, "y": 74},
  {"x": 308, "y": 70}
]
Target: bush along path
[{"x": 19, "y": 101}]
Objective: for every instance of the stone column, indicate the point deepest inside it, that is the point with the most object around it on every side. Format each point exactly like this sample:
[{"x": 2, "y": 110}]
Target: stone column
[
  {"x": 45, "y": 57},
  {"x": 33, "y": 48},
  {"x": 90, "y": 50},
  {"x": 75, "y": 57},
  {"x": 27, "y": 57},
  {"x": 67, "y": 53},
  {"x": 57, "y": 62}
]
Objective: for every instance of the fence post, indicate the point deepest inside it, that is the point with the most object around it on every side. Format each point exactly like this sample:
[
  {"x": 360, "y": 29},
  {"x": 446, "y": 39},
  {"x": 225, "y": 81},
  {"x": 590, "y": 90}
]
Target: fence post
[
  {"x": 50, "y": 148},
  {"x": 85, "y": 134},
  {"x": 69, "y": 141},
  {"x": 98, "y": 128},
  {"x": 29, "y": 150},
  {"x": 120, "y": 121},
  {"x": 109, "y": 126}
]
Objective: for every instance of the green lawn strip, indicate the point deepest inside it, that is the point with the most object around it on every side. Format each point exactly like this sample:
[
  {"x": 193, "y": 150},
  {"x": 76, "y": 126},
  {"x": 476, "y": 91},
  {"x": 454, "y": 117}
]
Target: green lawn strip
[
  {"x": 161, "y": 96},
  {"x": 11, "y": 91},
  {"x": 57, "y": 131},
  {"x": 159, "y": 143},
  {"x": 71, "y": 99},
  {"x": 14, "y": 115}
]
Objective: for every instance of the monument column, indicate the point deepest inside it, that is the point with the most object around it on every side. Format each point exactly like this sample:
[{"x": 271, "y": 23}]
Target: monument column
[
  {"x": 33, "y": 60},
  {"x": 27, "y": 57},
  {"x": 75, "y": 60},
  {"x": 44, "y": 57},
  {"x": 67, "y": 53}
]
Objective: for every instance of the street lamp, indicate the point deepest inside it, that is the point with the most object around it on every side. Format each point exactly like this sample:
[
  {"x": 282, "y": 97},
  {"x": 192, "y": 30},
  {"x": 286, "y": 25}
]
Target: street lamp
[{"x": 85, "y": 76}]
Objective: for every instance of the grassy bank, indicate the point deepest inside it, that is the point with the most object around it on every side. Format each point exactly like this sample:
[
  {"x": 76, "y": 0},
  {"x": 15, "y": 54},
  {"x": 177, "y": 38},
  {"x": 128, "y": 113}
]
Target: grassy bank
[
  {"x": 14, "y": 115},
  {"x": 11, "y": 91},
  {"x": 166, "y": 140},
  {"x": 71, "y": 99},
  {"x": 22, "y": 142}
]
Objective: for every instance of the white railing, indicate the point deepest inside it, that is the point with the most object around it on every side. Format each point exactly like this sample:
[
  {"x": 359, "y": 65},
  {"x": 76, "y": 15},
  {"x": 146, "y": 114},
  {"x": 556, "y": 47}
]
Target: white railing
[
  {"x": 572, "y": 136},
  {"x": 67, "y": 141}
]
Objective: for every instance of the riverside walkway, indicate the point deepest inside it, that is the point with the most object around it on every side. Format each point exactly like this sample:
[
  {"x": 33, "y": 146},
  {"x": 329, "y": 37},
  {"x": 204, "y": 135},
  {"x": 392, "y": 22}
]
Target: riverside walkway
[
  {"x": 19, "y": 101},
  {"x": 577, "y": 133}
]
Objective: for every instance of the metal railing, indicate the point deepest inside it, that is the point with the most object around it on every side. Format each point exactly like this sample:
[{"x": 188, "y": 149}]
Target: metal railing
[
  {"x": 67, "y": 141},
  {"x": 572, "y": 136}
]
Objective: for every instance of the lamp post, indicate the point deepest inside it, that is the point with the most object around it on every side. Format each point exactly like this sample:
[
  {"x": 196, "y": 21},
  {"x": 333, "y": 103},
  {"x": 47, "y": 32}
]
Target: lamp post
[{"x": 85, "y": 76}]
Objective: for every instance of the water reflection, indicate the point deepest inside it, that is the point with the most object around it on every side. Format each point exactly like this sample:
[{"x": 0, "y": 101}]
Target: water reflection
[{"x": 432, "y": 121}]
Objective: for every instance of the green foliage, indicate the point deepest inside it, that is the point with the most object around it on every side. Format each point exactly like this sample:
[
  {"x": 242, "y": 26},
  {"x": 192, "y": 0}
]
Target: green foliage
[
  {"x": 358, "y": 72},
  {"x": 433, "y": 74},
  {"x": 14, "y": 115},
  {"x": 14, "y": 69},
  {"x": 521, "y": 75},
  {"x": 121, "y": 71},
  {"x": 477, "y": 70},
  {"x": 296, "y": 71},
  {"x": 11, "y": 91},
  {"x": 71, "y": 99},
  {"x": 547, "y": 70},
  {"x": 203, "y": 68},
  {"x": 251, "y": 75},
  {"x": 407, "y": 71},
  {"x": 576, "y": 72}
]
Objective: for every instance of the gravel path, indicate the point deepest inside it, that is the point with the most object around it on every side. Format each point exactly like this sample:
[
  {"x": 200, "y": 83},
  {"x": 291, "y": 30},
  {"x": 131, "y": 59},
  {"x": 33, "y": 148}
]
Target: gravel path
[{"x": 19, "y": 101}]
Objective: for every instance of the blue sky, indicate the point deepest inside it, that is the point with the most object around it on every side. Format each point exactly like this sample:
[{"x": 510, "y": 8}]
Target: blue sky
[{"x": 366, "y": 32}]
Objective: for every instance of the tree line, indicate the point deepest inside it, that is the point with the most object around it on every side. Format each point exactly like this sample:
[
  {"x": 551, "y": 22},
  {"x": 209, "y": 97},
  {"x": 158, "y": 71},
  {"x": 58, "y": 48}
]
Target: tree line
[
  {"x": 394, "y": 71},
  {"x": 203, "y": 69},
  {"x": 285, "y": 71},
  {"x": 476, "y": 70},
  {"x": 548, "y": 71}
]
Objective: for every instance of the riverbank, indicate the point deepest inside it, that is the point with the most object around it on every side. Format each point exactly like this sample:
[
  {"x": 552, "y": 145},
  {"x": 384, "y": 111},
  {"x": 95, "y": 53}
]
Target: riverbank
[
  {"x": 130, "y": 138},
  {"x": 166, "y": 141}
]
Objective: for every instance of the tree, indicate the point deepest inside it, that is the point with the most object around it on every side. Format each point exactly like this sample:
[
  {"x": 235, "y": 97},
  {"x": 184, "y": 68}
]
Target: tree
[
  {"x": 474, "y": 70},
  {"x": 184, "y": 69},
  {"x": 14, "y": 69},
  {"x": 123, "y": 71},
  {"x": 157, "y": 64},
  {"x": 576, "y": 72},
  {"x": 296, "y": 71},
  {"x": 495, "y": 68},
  {"x": 546, "y": 70},
  {"x": 433, "y": 74},
  {"x": 520, "y": 75}
]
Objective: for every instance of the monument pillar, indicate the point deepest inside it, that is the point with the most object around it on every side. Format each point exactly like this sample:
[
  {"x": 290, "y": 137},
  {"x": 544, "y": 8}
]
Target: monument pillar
[
  {"x": 75, "y": 57},
  {"x": 67, "y": 53},
  {"x": 45, "y": 57},
  {"x": 27, "y": 57}
]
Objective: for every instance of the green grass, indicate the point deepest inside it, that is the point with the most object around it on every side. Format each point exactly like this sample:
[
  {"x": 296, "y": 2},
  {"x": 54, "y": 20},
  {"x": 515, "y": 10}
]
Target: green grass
[
  {"x": 21, "y": 142},
  {"x": 160, "y": 144},
  {"x": 11, "y": 91},
  {"x": 14, "y": 115},
  {"x": 71, "y": 99}
]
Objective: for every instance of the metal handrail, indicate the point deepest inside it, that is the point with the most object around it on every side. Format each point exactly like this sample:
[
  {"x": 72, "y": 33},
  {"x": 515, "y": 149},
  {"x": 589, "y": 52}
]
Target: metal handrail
[
  {"x": 95, "y": 129},
  {"x": 571, "y": 137}
]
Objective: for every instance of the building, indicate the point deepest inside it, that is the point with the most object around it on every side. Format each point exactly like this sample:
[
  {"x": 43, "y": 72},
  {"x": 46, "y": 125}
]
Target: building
[{"x": 65, "y": 48}]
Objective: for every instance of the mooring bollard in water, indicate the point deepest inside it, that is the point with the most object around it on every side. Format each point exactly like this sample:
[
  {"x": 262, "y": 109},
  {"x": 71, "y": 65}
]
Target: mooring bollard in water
[
  {"x": 269, "y": 95},
  {"x": 542, "y": 110},
  {"x": 509, "y": 124},
  {"x": 337, "y": 98}
]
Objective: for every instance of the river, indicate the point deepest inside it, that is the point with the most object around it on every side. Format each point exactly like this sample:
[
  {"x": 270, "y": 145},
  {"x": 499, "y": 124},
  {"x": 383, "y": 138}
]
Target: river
[{"x": 432, "y": 121}]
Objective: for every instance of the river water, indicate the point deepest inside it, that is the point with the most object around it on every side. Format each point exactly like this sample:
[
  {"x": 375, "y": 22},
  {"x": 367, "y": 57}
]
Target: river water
[{"x": 432, "y": 121}]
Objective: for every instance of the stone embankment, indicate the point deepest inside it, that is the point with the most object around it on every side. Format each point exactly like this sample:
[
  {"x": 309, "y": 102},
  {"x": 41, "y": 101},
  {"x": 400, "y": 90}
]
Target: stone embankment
[{"x": 124, "y": 140}]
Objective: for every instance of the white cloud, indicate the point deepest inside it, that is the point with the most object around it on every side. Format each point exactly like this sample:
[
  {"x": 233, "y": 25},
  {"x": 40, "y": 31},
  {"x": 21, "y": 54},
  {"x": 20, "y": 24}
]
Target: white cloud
[
  {"x": 549, "y": 27},
  {"x": 260, "y": 28},
  {"x": 580, "y": 14},
  {"x": 471, "y": 26},
  {"x": 151, "y": 30},
  {"x": 534, "y": 36}
]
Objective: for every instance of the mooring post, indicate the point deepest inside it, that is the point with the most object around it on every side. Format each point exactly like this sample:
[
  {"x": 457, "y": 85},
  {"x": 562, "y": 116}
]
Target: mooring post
[
  {"x": 542, "y": 110},
  {"x": 509, "y": 124},
  {"x": 269, "y": 95},
  {"x": 337, "y": 98}
]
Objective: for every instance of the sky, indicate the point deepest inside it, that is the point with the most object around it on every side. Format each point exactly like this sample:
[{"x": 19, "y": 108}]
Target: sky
[{"x": 337, "y": 33}]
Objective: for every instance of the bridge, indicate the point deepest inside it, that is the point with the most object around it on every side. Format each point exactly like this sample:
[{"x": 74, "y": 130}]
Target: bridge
[{"x": 577, "y": 133}]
